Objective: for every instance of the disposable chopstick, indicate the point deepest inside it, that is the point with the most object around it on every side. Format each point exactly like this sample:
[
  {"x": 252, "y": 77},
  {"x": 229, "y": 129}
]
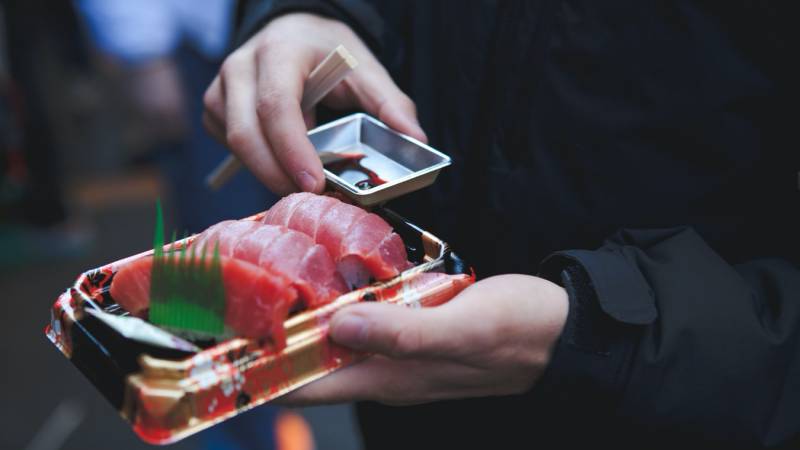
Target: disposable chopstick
[
  {"x": 326, "y": 76},
  {"x": 321, "y": 81}
]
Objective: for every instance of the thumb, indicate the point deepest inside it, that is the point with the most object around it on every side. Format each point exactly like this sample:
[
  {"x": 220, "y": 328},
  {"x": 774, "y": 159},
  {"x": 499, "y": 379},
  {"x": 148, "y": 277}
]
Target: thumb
[{"x": 391, "y": 330}]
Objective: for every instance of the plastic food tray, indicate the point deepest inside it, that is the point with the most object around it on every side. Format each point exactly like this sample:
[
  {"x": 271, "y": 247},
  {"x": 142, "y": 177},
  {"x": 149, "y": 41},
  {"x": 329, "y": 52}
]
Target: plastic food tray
[{"x": 167, "y": 393}]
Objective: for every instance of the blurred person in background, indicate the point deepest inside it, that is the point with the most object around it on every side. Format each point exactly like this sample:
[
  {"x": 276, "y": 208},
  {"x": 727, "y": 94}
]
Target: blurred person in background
[
  {"x": 35, "y": 219},
  {"x": 163, "y": 54}
]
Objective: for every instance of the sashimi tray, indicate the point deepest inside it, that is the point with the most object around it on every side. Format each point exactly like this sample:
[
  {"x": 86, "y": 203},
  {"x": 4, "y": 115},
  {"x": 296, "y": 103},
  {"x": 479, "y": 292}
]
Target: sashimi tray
[{"x": 169, "y": 387}]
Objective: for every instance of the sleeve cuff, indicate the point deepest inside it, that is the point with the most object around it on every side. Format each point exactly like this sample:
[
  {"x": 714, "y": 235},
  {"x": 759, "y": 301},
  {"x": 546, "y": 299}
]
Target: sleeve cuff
[
  {"x": 609, "y": 301},
  {"x": 619, "y": 287}
]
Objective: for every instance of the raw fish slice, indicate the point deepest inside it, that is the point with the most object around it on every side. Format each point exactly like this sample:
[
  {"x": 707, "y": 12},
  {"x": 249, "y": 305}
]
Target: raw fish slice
[
  {"x": 361, "y": 243},
  {"x": 130, "y": 286},
  {"x": 371, "y": 240},
  {"x": 286, "y": 253},
  {"x": 391, "y": 252},
  {"x": 250, "y": 246},
  {"x": 281, "y": 212},
  {"x": 210, "y": 234},
  {"x": 363, "y": 260},
  {"x": 257, "y": 300},
  {"x": 289, "y": 252},
  {"x": 307, "y": 218},
  {"x": 319, "y": 272},
  {"x": 229, "y": 236},
  {"x": 331, "y": 230},
  {"x": 257, "y": 310},
  {"x": 365, "y": 235},
  {"x": 294, "y": 254},
  {"x": 334, "y": 227},
  {"x": 308, "y": 265},
  {"x": 354, "y": 271}
]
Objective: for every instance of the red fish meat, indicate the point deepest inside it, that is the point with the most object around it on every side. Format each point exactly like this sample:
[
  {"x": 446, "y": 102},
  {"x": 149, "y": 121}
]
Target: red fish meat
[
  {"x": 257, "y": 300},
  {"x": 362, "y": 244},
  {"x": 308, "y": 265}
]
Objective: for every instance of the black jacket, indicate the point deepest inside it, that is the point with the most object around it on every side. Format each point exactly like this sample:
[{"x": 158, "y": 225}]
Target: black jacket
[{"x": 662, "y": 124}]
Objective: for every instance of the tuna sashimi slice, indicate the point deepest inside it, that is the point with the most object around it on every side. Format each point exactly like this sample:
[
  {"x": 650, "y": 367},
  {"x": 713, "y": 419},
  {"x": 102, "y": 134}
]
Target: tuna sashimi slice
[
  {"x": 229, "y": 235},
  {"x": 308, "y": 265},
  {"x": 280, "y": 212},
  {"x": 307, "y": 218},
  {"x": 225, "y": 233},
  {"x": 260, "y": 310},
  {"x": 362, "y": 244},
  {"x": 257, "y": 300},
  {"x": 287, "y": 252},
  {"x": 130, "y": 286},
  {"x": 389, "y": 258},
  {"x": 210, "y": 234},
  {"x": 392, "y": 251},
  {"x": 318, "y": 266},
  {"x": 363, "y": 241},
  {"x": 334, "y": 226},
  {"x": 291, "y": 253},
  {"x": 250, "y": 245}
]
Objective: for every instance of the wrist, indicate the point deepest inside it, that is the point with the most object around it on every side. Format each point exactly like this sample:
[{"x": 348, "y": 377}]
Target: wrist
[
  {"x": 557, "y": 302},
  {"x": 591, "y": 356}
]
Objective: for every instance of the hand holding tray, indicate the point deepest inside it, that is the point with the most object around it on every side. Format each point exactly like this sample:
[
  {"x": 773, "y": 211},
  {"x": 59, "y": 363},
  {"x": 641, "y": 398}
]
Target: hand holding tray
[{"x": 167, "y": 389}]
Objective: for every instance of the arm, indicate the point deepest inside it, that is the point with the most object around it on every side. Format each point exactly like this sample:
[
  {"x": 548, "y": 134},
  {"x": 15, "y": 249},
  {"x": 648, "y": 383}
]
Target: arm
[
  {"x": 659, "y": 332},
  {"x": 672, "y": 337},
  {"x": 141, "y": 62},
  {"x": 253, "y": 105}
]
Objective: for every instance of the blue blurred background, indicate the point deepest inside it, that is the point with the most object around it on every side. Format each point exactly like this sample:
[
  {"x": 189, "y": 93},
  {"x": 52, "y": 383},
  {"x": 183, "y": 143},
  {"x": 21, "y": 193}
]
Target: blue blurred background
[{"x": 100, "y": 106}]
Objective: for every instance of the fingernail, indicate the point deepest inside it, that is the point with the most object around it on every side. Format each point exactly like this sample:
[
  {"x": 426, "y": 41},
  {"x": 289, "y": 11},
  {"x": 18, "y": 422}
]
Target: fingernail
[
  {"x": 350, "y": 331},
  {"x": 305, "y": 181}
]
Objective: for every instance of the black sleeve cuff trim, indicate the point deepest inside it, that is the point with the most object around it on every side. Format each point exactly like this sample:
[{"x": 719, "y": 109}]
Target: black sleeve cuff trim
[
  {"x": 621, "y": 290},
  {"x": 590, "y": 361}
]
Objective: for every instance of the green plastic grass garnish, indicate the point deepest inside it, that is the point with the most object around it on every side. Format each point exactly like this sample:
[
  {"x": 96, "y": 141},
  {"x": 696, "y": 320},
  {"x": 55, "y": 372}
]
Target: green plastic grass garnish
[{"x": 186, "y": 289}]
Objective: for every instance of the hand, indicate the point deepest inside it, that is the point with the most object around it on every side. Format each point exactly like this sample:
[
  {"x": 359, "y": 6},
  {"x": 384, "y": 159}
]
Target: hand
[
  {"x": 157, "y": 94},
  {"x": 253, "y": 105},
  {"x": 495, "y": 338}
]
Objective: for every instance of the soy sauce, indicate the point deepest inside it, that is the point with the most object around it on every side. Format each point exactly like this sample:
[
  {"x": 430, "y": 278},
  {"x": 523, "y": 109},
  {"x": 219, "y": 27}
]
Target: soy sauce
[{"x": 352, "y": 161}]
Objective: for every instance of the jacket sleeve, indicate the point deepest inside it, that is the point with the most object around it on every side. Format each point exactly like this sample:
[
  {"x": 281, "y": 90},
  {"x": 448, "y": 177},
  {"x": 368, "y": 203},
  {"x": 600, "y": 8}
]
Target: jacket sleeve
[
  {"x": 668, "y": 335},
  {"x": 360, "y": 15}
]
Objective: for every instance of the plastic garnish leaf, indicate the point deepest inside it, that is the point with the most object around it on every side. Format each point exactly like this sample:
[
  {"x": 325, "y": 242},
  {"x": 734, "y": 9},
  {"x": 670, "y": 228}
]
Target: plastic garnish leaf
[{"x": 186, "y": 290}]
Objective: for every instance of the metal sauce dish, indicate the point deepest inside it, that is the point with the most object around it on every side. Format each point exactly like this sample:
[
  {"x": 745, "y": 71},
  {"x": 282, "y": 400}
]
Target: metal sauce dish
[{"x": 370, "y": 163}]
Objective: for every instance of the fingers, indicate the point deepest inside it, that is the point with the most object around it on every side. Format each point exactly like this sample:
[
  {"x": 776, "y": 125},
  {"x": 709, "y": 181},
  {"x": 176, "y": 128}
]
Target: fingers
[
  {"x": 230, "y": 118},
  {"x": 310, "y": 118},
  {"x": 479, "y": 317},
  {"x": 243, "y": 131},
  {"x": 280, "y": 87},
  {"x": 395, "y": 331},
  {"x": 214, "y": 127},
  {"x": 361, "y": 381},
  {"x": 389, "y": 381},
  {"x": 379, "y": 95},
  {"x": 214, "y": 113},
  {"x": 486, "y": 341},
  {"x": 253, "y": 106}
]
